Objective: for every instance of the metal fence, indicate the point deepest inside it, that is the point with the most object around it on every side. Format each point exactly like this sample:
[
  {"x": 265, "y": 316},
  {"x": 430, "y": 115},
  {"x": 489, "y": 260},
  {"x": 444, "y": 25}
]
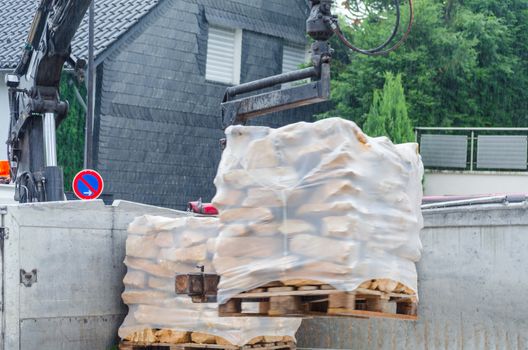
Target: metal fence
[{"x": 474, "y": 149}]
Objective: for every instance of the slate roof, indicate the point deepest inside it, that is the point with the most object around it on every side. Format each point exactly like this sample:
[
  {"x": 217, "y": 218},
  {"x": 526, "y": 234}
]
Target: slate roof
[
  {"x": 113, "y": 19},
  {"x": 281, "y": 18}
]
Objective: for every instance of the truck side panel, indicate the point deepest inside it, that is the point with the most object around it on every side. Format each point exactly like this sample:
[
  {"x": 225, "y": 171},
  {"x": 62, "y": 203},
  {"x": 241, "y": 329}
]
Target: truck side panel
[
  {"x": 472, "y": 287},
  {"x": 68, "y": 295}
]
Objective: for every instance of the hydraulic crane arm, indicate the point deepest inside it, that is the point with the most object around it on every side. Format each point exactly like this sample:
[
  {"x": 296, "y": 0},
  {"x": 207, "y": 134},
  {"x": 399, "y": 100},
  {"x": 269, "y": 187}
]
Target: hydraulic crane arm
[{"x": 34, "y": 99}]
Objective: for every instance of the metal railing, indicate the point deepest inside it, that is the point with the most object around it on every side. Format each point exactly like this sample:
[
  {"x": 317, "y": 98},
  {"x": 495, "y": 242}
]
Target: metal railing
[{"x": 485, "y": 149}]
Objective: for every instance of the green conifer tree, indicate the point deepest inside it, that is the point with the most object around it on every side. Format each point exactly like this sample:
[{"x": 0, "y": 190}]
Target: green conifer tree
[
  {"x": 388, "y": 114},
  {"x": 375, "y": 125}
]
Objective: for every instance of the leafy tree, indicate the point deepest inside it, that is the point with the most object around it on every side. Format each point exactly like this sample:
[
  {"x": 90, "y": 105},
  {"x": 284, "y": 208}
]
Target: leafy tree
[
  {"x": 464, "y": 64},
  {"x": 70, "y": 134},
  {"x": 388, "y": 113}
]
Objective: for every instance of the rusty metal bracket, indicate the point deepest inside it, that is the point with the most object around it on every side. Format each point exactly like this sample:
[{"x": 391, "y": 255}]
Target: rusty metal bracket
[
  {"x": 240, "y": 110},
  {"x": 201, "y": 287}
]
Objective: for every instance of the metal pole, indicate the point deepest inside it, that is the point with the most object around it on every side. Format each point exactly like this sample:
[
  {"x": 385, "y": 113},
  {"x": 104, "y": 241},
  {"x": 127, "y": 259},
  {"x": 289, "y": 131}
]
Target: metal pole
[
  {"x": 79, "y": 97},
  {"x": 471, "y": 155},
  {"x": 88, "y": 149},
  {"x": 421, "y": 128},
  {"x": 50, "y": 139},
  {"x": 310, "y": 72},
  {"x": 473, "y": 201}
]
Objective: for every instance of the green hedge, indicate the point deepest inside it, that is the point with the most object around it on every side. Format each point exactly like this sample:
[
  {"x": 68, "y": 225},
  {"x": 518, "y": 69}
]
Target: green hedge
[{"x": 70, "y": 134}]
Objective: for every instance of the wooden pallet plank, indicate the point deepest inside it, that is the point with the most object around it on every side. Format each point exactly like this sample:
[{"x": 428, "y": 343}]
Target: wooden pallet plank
[
  {"x": 342, "y": 300},
  {"x": 280, "y": 289},
  {"x": 370, "y": 314},
  {"x": 231, "y": 306},
  {"x": 306, "y": 298},
  {"x": 407, "y": 308},
  {"x": 327, "y": 303},
  {"x": 359, "y": 291},
  {"x": 284, "y": 305},
  {"x": 290, "y": 293}
]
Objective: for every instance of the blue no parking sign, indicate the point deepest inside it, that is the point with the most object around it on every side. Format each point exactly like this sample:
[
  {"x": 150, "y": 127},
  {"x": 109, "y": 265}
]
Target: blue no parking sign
[{"x": 88, "y": 184}]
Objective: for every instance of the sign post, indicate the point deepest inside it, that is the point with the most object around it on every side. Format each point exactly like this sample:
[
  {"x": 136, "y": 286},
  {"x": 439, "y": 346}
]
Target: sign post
[{"x": 88, "y": 185}]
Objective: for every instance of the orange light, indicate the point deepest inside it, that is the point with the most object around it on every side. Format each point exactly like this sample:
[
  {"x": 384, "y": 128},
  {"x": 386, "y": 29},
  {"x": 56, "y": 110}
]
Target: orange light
[{"x": 5, "y": 170}]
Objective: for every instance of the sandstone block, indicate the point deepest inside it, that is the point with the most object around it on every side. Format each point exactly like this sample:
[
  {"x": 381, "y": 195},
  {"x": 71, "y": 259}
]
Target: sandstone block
[
  {"x": 189, "y": 238},
  {"x": 255, "y": 247},
  {"x": 194, "y": 254},
  {"x": 164, "y": 239},
  {"x": 161, "y": 284},
  {"x": 385, "y": 285},
  {"x": 146, "y": 336},
  {"x": 141, "y": 247},
  {"x": 321, "y": 248},
  {"x": 168, "y": 336},
  {"x": 135, "y": 279},
  {"x": 145, "y": 297},
  {"x": 246, "y": 214},
  {"x": 222, "y": 341},
  {"x": 148, "y": 266},
  {"x": 293, "y": 226},
  {"x": 260, "y": 154},
  {"x": 203, "y": 338},
  {"x": 263, "y": 197}
]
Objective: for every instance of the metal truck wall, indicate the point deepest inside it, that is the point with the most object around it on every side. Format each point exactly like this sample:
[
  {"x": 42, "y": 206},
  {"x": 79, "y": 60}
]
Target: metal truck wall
[
  {"x": 62, "y": 273},
  {"x": 473, "y": 285}
]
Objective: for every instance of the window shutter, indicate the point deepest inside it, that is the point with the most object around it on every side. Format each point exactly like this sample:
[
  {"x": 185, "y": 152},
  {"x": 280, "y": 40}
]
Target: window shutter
[
  {"x": 293, "y": 56},
  {"x": 224, "y": 55}
]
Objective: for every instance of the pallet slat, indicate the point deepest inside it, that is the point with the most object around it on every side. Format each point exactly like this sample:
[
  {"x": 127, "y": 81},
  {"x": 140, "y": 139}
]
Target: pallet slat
[
  {"x": 322, "y": 301},
  {"x": 315, "y": 292}
]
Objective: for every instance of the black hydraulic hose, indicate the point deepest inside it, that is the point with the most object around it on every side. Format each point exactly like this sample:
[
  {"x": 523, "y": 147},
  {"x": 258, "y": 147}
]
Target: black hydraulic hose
[
  {"x": 376, "y": 51},
  {"x": 394, "y": 31}
]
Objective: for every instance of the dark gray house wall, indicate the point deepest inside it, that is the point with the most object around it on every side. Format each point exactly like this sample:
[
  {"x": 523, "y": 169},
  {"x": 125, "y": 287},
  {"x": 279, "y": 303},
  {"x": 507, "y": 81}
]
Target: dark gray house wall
[{"x": 158, "y": 121}]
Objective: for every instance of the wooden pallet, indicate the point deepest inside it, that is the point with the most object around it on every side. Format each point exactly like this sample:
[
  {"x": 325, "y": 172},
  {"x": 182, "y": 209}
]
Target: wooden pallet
[
  {"x": 192, "y": 346},
  {"x": 322, "y": 301}
]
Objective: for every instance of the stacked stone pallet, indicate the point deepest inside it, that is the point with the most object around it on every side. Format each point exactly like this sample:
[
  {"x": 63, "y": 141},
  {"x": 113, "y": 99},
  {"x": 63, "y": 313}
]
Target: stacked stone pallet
[
  {"x": 157, "y": 249},
  {"x": 321, "y": 202},
  {"x": 151, "y": 336}
]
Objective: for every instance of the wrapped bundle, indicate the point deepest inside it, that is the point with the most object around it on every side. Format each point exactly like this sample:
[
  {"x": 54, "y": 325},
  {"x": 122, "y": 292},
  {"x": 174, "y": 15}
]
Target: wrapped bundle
[
  {"x": 157, "y": 249},
  {"x": 317, "y": 201}
]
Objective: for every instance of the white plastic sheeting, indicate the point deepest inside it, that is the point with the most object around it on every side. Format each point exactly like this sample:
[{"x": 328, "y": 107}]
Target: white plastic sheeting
[
  {"x": 317, "y": 201},
  {"x": 157, "y": 249}
]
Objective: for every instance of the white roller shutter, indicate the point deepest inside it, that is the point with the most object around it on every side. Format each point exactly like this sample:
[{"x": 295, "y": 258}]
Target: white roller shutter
[
  {"x": 293, "y": 56},
  {"x": 224, "y": 48}
]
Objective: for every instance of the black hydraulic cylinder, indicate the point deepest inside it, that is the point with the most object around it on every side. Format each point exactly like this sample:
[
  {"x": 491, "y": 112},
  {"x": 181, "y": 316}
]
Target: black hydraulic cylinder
[{"x": 54, "y": 184}]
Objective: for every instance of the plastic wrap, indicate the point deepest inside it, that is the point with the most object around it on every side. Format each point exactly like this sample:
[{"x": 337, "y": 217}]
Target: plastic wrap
[
  {"x": 157, "y": 249},
  {"x": 317, "y": 201}
]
